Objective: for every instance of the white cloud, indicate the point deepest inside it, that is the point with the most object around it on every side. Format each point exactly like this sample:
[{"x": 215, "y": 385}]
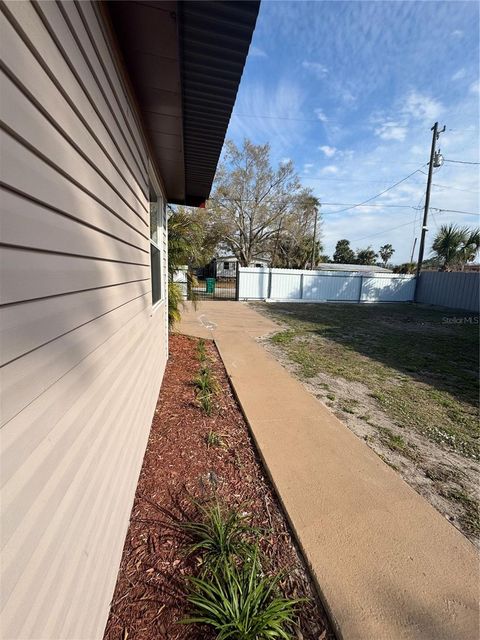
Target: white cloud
[
  {"x": 281, "y": 104},
  {"x": 319, "y": 69},
  {"x": 320, "y": 115},
  {"x": 329, "y": 169},
  {"x": 461, "y": 73},
  {"x": 307, "y": 166},
  {"x": 328, "y": 151},
  {"x": 285, "y": 160},
  {"x": 458, "y": 33},
  {"x": 256, "y": 52},
  {"x": 347, "y": 96},
  {"x": 391, "y": 131},
  {"x": 422, "y": 107},
  {"x": 475, "y": 87}
]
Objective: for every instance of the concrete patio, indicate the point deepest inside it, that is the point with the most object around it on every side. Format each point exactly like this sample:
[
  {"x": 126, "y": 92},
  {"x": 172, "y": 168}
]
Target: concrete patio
[{"x": 388, "y": 566}]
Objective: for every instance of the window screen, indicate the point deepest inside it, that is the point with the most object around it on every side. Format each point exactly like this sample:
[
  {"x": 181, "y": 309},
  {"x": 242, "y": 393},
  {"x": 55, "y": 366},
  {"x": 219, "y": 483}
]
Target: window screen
[{"x": 156, "y": 216}]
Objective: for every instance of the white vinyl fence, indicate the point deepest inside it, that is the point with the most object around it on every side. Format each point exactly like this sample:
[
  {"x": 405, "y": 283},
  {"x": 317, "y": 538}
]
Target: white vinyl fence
[
  {"x": 180, "y": 278},
  {"x": 293, "y": 285}
]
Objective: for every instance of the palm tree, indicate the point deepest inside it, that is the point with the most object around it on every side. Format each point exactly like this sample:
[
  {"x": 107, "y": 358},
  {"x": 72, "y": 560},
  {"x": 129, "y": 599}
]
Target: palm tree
[
  {"x": 470, "y": 248},
  {"x": 386, "y": 252},
  {"x": 455, "y": 245}
]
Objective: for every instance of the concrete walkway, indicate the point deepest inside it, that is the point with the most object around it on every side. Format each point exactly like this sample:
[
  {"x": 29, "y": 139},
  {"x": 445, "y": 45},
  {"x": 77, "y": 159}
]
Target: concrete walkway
[{"x": 388, "y": 566}]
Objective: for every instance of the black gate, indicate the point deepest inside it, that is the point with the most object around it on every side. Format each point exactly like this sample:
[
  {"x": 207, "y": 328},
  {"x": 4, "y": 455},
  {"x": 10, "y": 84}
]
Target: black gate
[{"x": 207, "y": 286}]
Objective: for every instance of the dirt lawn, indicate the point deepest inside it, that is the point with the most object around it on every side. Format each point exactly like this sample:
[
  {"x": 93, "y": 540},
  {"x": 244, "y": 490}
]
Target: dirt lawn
[{"x": 402, "y": 377}]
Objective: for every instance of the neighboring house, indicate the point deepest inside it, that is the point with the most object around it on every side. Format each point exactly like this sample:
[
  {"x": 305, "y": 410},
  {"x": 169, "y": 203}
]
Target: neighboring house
[
  {"x": 109, "y": 110},
  {"x": 327, "y": 266},
  {"x": 226, "y": 266}
]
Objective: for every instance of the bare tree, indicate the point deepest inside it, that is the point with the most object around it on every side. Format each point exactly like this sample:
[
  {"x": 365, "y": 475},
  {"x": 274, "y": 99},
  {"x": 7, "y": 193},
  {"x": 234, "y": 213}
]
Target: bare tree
[{"x": 251, "y": 201}]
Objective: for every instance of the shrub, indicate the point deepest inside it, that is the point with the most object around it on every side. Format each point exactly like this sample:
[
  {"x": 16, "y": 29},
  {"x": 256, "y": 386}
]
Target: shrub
[
  {"x": 220, "y": 535},
  {"x": 205, "y": 380},
  {"x": 175, "y": 301},
  {"x": 242, "y": 604}
]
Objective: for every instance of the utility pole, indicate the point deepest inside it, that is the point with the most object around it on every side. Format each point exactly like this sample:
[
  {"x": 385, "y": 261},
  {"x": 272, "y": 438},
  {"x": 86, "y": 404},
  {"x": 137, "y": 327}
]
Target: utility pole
[
  {"x": 433, "y": 162},
  {"x": 413, "y": 250},
  {"x": 314, "y": 236}
]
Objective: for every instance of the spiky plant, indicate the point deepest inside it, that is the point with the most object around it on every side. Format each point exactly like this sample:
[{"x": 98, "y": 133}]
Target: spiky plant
[
  {"x": 201, "y": 350},
  {"x": 205, "y": 380},
  {"x": 213, "y": 439},
  {"x": 219, "y": 535},
  {"x": 241, "y": 603}
]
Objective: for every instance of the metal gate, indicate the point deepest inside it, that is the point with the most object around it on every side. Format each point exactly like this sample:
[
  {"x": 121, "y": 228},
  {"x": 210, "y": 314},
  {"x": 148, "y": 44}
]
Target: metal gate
[{"x": 208, "y": 286}]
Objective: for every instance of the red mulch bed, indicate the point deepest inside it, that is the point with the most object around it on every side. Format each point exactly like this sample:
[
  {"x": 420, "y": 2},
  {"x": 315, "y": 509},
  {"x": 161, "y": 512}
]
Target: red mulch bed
[{"x": 149, "y": 599}]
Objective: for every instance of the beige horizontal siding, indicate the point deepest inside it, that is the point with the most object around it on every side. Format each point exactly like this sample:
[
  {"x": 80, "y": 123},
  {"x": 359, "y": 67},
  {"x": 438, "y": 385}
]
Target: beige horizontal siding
[
  {"x": 50, "y": 97},
  {"x": 30, "y": 175},
  {"x": 25, "y": 223},
  {"x": 82, "y": 350},
  {"x": 79, "y": 85},
  {"x": 31, "y": 127},
  {"x": 70, "y": 524}
]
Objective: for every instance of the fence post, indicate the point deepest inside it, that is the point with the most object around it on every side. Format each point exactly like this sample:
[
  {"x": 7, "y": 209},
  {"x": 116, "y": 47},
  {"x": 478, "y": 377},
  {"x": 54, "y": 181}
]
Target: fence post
[
  {"x": 237, "y": 281},
  {"x": 269, "y": 292},
  {"x": 301, "y": 286}
]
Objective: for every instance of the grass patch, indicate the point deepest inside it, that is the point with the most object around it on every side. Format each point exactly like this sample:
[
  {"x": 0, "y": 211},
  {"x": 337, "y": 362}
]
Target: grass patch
[
  {"x": 470, "y": 518},
  {"x": 421, "y": 371},
  {"x": 283, "y": 337},
  {"x": 349, "y": 406}
]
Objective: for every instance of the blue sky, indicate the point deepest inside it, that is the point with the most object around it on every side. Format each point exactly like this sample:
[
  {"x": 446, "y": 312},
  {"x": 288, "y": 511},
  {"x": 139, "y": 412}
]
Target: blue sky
[{"x": 349, "y": 92}]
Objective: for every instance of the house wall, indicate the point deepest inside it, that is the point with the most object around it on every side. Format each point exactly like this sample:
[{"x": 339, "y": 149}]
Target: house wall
[
  {"x": 82, "y": 350},
  {"x": 231, "y": 272}
]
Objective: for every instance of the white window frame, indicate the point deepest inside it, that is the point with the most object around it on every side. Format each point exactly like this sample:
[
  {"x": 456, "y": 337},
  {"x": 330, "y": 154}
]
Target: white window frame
[{"x": 158, "y": 244}]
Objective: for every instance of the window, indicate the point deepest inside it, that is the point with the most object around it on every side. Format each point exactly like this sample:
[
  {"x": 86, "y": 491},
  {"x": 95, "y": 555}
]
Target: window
[
  {"x": 156, "y": 219},
  {"x": 258, "y": 264},
  {"x": 226, "y": 266}
]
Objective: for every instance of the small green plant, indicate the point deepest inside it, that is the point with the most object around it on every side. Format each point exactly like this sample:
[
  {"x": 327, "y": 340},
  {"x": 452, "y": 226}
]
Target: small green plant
[
  {"x": 240, "y": 603},
  {"x": 205, "y": 402},
  {"x": 201, "y": 350},
  {"x": 205, "y": 380},
  {"x": 219, "y": 536},
  {"x": 207, "y": 387},
  {"x": 213, "y": 439}
]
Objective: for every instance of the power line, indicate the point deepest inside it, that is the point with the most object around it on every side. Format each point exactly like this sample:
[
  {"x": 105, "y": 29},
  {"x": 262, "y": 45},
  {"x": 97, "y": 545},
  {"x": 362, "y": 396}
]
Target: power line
[
  {"x": 305, "y": 176},
  {"x": 466, "y": 213},
  {"x": 444, "y": 186},
  {"x": 405, "y": 224},
  {"x": 461, "y": 161},
  {"x": 382, "y": 192},
  {"x": 379, "y": 233}
]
